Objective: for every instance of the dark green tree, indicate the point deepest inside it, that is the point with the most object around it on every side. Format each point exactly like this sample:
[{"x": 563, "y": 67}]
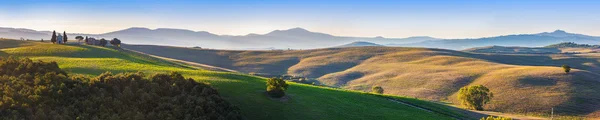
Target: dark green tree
[
  {"x": 377, "y": 89},
  {"x": 79, "y": 38},
  {"x": 276, "y": 87},
  {"x": 474, "y": 97},
  {"x": 41, "y": 90},
  {"x": 103, "y": 42},
  {"x": 53, "y": 39},
  {"x": 115, "y": 42},
  {"x": 65, "y": 37},
  {"x": 567, "y": 68}
]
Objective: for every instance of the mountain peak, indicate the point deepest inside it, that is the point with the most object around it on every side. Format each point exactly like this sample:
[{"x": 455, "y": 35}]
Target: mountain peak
[
  {"x": 559, "y": 31},
  {"x": 358, "y": 44},
  {"x": 137, "y": 28},
  {"x": 297, "y": 29}
]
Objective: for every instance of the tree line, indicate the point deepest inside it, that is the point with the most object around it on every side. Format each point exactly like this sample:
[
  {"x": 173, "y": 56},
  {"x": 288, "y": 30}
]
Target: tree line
[
  {"x": 89, "y": 41},
  {"x": 41, "y": 90}
]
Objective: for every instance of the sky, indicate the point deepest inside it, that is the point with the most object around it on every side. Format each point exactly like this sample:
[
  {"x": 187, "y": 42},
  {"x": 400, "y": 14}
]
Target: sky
[{"x": 361, "y": 18}]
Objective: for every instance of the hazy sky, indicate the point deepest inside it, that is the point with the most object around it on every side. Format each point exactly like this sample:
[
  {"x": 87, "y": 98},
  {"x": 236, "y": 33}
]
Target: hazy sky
[{"x": 369, "y": 18}]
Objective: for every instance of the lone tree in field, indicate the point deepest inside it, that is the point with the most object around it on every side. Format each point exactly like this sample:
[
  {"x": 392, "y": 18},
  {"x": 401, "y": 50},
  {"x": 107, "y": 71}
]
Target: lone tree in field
[
  {"x": 377, "y": 89},
  {"x": 566, "y": 68},
  {"x": 276, "y": 87},
  {"x": 65, "y": 37},
  {"x": 79, "y": 38},
  {"x": 53, "y": 39},
  {"x": 115, "y": 42},
  {"x": 474, "y": 97}
]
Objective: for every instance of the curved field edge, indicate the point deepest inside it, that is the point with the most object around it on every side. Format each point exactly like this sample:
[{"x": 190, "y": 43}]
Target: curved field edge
[
  {"x": 527, "y": 84},
  {"x": 306, "y": 102}
]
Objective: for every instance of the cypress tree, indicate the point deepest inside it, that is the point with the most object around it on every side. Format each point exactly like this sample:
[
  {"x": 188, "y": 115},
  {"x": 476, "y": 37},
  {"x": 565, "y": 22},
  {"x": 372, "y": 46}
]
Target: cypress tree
[
  {"x": 53, "y": 39},
  {"x": 64, "y": 37}
]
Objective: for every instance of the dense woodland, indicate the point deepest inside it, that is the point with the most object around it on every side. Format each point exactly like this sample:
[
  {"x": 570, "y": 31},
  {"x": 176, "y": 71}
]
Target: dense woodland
[{"x": 41, "y": 90}]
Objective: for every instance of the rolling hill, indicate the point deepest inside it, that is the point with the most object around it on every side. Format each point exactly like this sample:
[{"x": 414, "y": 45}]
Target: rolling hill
[
  {"x": 245, "y": 91},
  {"x": 531, "y": 84}
]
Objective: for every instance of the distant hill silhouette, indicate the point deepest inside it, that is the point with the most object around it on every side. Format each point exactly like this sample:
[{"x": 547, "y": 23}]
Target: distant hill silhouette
[
  {"x": 296, "y": 38},
  {"x": 358, "y": 44},
  {"x": 299, "y": 38},
  {"x": 523, "y": 40}
]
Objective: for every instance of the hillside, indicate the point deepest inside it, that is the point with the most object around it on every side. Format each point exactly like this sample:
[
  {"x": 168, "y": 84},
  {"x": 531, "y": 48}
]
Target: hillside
[
  {"x": 244, "y": 91},
  {"x": 521, "y": 83}
]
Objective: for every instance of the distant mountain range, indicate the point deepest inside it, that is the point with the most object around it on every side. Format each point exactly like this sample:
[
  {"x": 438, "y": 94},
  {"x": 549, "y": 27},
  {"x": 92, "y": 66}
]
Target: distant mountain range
[
  {"x": 523, "y": 40},
  {"x": 358, "y": 44},
  {"x": 298, "y": 38}
]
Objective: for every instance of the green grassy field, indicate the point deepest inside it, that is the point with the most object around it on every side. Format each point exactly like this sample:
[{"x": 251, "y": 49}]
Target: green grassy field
[
  {"x": 245, "y": 91},
  {"x": 524, "y": 84}
]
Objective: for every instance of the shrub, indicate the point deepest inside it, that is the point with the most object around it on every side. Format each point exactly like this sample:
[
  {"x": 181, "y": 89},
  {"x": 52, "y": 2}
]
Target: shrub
[
  {"x": 276, "y": 87},
  {"x": 377, "y": 89},
  {"x": 566, "y": 68},
  {"x": 495, "y": 118},
  {"x": 474, "y": 97}
]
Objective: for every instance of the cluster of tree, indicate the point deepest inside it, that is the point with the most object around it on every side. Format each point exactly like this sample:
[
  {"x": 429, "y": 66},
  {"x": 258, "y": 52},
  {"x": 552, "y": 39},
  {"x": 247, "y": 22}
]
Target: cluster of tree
[
  {"x": 276, "y": 87},
  {"x": 571, "y": 45},
  {"x": 115, "y": 42},
  {"x": 54, "y": 38},
  {"x": 102, "y": 42},
  {"x": 474, "y": 97},
  {"x": 41, "y": 90}
]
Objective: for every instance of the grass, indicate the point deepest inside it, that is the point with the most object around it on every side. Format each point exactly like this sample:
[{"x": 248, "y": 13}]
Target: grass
[
  {"x": 245, "y": 91},
  {"x": 523, "y": 83}
]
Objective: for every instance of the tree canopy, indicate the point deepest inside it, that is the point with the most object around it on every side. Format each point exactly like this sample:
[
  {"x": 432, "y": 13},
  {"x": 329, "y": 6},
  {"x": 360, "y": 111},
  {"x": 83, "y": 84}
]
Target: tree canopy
[
  {"x": 115, "y": 42},
  {"x": 103, "y": 42},
  {"x": 65, "y": 38},
  {"x": 567, "y": 68},
  {"x": 79, "y": 37},
  {"x": 53, "y": 39},
  {"x": 474, "y": 97},
  {"x": 41, "y": 90},
  {"x": 276, "y": 87}
]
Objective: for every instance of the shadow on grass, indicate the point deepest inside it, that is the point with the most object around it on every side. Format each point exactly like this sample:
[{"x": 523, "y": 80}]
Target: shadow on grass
[{"x": 586, "y": 100}]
